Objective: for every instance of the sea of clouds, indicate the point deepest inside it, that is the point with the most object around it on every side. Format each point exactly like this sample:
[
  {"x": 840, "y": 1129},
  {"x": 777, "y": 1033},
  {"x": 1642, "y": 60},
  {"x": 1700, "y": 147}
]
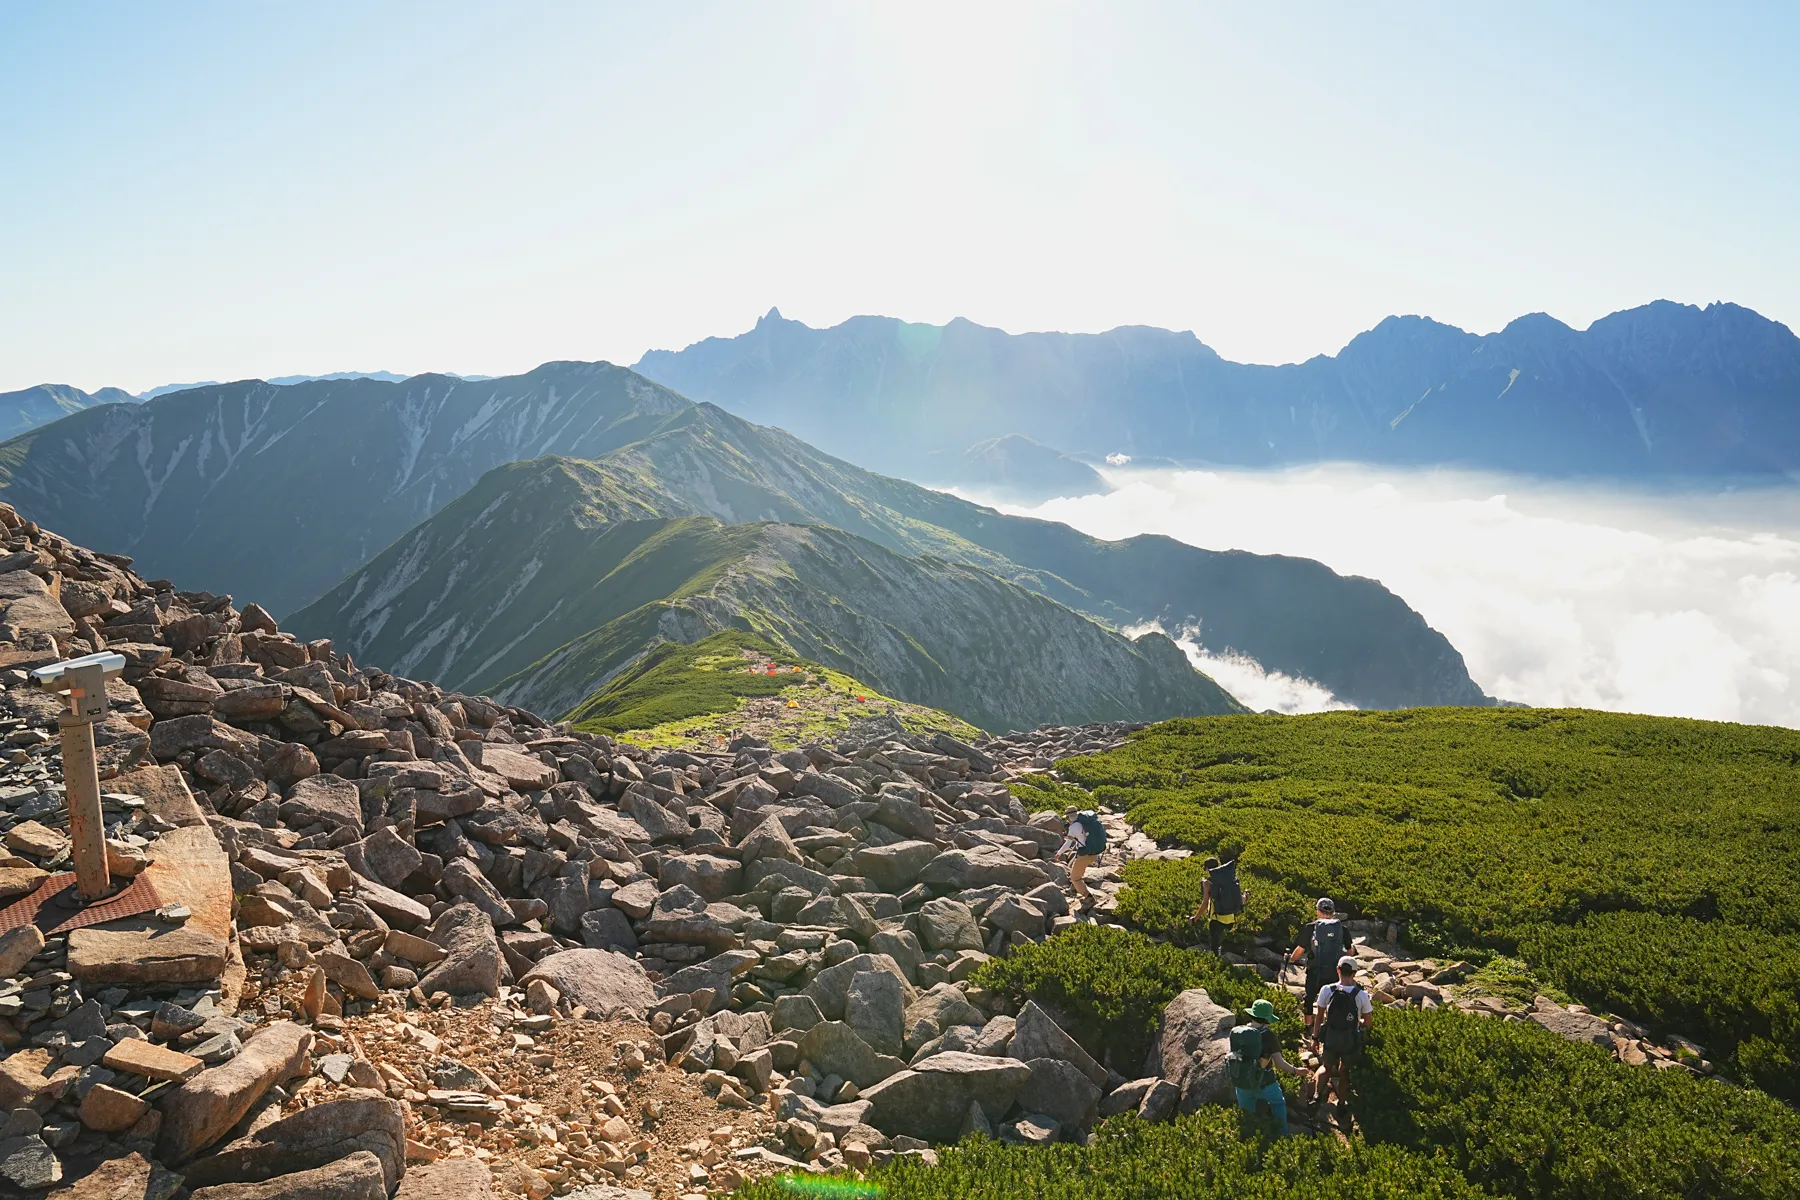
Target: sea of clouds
[{"x": 1681, "y": 603}]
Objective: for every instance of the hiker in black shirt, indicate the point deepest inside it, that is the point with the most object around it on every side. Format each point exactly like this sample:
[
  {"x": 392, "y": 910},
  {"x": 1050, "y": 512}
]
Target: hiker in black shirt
[{"x": 1323, "y": 941}]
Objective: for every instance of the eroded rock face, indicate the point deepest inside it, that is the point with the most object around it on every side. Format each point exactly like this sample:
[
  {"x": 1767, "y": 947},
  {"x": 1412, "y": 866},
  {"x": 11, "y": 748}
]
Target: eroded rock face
[
  {"x": 447, "y": 1179},
  {"x": 358, "y": 1176},
  {"x": 932, "y": 1099},
  {"x": 205, "y": 1108},
  {"x": 364, "y": 1121},
  {"x": 1190, "y": 1021},
  {"x": 602, "y": 981},
  {"x": 471, "y": 964}
]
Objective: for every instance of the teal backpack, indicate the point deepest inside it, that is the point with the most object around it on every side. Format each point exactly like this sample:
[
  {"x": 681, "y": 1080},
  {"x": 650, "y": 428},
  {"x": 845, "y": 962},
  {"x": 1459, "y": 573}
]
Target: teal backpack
[{"x": 1244, "y": 1066}]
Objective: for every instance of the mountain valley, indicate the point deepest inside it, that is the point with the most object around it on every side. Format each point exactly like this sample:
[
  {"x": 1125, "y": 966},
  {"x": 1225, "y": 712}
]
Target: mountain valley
[{"x": 286, "y": 491}]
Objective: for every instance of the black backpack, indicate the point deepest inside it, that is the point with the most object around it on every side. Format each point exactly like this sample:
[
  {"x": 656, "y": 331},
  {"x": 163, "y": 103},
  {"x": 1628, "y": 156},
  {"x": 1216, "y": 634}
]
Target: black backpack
[
  {"x": 1328, "y": 945},
  {"x": 1095, "y": 841},
  {"x": 1227, "y": 896},
  {"x": 1342, "y": 1029}
]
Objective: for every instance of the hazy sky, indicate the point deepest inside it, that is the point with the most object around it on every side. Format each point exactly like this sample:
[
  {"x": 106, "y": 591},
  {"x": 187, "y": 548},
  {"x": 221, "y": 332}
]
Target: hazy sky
[{"x": 219, "y": 191}]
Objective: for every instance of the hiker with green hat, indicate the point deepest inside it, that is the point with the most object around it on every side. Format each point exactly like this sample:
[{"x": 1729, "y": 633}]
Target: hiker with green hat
[{"x": 1254, "y": 1060}]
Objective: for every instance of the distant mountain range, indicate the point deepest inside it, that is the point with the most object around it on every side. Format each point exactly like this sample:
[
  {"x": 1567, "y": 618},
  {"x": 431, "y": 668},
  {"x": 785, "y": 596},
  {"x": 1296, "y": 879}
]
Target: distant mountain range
[
  {"x": 1664, "y": 390},
  {"x": 286, "y": 380},
  {"x": 25, "y": 410},
  {"x": 283, "y": 492}
]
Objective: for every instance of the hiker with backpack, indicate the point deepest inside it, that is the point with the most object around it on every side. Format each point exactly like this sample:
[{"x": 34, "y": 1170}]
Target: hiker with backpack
[
  {"x": 1254, "y": 1059},
  {"x": 1221, "y": 901},
  {"x": 1323, "y": 941},
  {"x": 1087, "y": 838},
  {"x": 1342, "y": 1014}
]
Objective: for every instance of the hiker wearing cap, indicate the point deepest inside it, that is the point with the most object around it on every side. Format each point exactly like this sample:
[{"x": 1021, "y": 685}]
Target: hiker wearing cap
[
  {"x": 1323, "y": 941},
  {"x": 1255, "y": 1058},
  {"x": 1221, "y": 902},
  {"x": 1087, "y": 838},
  {"x": 1342, "y": 1014}
]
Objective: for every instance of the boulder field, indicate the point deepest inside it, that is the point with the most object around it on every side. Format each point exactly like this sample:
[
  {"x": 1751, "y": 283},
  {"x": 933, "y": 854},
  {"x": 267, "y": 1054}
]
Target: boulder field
[{"x": 344, "y": 859}]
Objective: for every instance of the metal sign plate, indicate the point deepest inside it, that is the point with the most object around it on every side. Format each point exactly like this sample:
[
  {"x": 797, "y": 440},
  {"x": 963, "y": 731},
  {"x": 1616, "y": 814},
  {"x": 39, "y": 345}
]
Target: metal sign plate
[{"x": 57, "y": 907}]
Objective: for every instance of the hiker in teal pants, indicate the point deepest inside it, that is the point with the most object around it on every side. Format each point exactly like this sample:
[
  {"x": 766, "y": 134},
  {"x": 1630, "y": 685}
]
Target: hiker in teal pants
[{"x": 1255, "y": 1058}]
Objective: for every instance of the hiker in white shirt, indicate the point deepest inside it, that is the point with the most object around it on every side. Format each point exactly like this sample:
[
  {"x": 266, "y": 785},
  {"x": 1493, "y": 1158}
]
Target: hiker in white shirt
[{"x": 1341, "y": 1016}]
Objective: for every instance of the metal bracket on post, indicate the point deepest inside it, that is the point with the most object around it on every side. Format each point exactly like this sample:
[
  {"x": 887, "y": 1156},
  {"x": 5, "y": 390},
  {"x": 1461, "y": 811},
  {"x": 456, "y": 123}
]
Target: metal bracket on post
[{"x": 83, "y": 680}]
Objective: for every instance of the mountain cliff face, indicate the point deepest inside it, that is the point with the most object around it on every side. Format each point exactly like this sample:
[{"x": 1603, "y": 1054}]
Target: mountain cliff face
[
  {"x": 551, "y": 576},
  {"x": 1662, "y": 390},
  {"x": 1016, "y": 469},
  {"x": 283, "y": 492},
  {"x": 23, "y": 411}
]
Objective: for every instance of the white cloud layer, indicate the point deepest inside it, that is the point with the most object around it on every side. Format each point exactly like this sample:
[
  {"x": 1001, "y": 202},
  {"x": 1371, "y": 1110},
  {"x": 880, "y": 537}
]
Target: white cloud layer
[
  {"x": 1676, "y": 603},
  {"x": 1246, "y": 678}
]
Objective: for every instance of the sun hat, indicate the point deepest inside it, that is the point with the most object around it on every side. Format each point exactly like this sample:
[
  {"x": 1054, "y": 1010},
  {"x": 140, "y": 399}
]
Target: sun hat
[{"x": 1262, "y": 1010}]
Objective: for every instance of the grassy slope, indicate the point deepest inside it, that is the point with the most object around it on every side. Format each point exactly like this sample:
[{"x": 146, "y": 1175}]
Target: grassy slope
[
  {"x": 937, "y": 634},
  {"x": 1295, "y": 615},
  {"x": 1645, "y": 865},
  {"x": 1448, "y": 1103},
  {"x": 697, "y": 694}
]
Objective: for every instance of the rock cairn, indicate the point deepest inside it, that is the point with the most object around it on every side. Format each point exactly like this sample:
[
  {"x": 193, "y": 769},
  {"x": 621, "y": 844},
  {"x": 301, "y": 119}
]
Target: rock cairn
[{"x": 794, "y": 928}]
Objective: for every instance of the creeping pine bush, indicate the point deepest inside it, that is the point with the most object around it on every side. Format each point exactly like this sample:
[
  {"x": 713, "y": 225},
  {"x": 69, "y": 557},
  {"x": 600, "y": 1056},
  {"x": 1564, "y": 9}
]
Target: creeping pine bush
[
  {"x": 1040, "y": 793},
  {"x": 1679, "y": 973},
  {"x": 1114, "y": 984},
  {"x": 1206, "y": 1156},
  {"x": 1524, "y": 1113},
  {"x": 1511, "y": 832}
]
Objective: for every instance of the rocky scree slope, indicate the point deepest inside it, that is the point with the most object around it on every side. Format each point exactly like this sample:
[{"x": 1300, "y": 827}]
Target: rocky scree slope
[
  {"x": 1661, "y": 390},
  {"x": 402, "y": 895},
  {"x": 281, "y": 492},
  {"x": 368, "y": 846},
  {"x": 541, "y": 585}
]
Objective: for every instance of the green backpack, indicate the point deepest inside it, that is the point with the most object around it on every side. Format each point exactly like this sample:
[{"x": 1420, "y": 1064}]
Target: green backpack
[{"x": 1244, "y": 1066}]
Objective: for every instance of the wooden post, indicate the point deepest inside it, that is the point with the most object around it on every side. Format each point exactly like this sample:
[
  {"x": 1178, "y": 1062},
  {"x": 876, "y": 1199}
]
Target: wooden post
[{"x": 83, "y": 680}]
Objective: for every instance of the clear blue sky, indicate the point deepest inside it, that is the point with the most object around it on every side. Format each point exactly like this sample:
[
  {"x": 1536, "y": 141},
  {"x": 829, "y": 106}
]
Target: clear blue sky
[{"x": 221, "y": 191}]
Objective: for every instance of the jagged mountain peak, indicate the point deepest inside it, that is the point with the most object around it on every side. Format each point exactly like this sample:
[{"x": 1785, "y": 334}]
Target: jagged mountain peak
[{"x": 1665, "y": 389}]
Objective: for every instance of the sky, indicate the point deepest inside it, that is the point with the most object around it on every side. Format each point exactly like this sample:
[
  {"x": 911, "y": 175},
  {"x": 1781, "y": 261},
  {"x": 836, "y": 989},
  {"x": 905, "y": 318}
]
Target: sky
[
  {"x": 219, "y": 191},
  {"x": 1681, "y": 604}
]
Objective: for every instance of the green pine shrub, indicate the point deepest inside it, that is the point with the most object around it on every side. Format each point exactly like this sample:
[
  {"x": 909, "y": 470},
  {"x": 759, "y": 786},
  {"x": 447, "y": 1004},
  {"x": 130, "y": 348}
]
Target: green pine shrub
[
  {"x": 1525, "y": 1113},
  {"x": 1207, "y": 1156},
  {"x": 1510, "y": 832},
  {"x": 1113, "y": 985},
  {"x": 1728, "y": 983}
]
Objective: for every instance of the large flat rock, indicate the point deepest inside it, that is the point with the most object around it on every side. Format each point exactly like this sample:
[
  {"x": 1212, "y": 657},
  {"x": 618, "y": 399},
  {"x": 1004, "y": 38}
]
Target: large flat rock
[
  {"x": 601, "y": 981},
  {"x": 932, "y": 1100},
  {"x": 190, "y": 868},
  {"x": 164, "y": 791}
]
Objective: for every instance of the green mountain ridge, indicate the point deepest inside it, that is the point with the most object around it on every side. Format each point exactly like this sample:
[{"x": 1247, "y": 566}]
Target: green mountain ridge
[
  {"x": 550, "y": 577},
  {"x": 33, "y": 407},
  {"x": 282, "y": 492},
  {"x": 699, "y": 694}
]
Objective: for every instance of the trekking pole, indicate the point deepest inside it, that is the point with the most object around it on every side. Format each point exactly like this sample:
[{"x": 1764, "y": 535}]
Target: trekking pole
[{"x": 83, "y": 680}]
